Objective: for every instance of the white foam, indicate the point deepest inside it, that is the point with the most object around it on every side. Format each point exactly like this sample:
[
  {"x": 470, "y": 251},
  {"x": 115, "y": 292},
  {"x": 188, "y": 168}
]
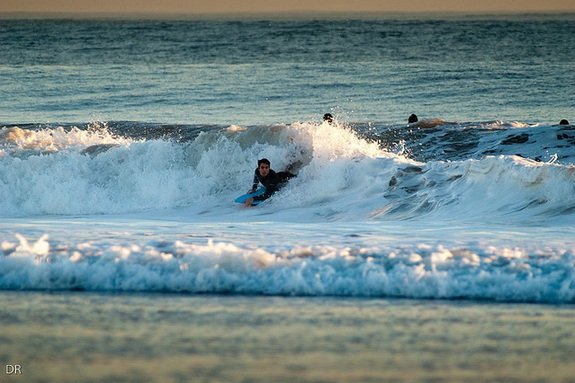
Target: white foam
[
  {"x": 416, "y": 270},
  {"x": 340, "y": 177},
  {"x": 158, "y": 215}
]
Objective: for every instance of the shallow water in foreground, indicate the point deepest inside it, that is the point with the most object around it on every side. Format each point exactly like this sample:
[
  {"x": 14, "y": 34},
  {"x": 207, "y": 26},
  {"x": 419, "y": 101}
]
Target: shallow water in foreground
[{"x": 99, "y": 337}]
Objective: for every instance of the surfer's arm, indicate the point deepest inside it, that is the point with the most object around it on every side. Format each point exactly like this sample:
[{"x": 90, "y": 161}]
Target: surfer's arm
[
  {"x": 255, "y": 183},
  {"x": 270, "y": 189},
  {"x": 272, "y": 184},
  {"x": 262, "y": 197}
]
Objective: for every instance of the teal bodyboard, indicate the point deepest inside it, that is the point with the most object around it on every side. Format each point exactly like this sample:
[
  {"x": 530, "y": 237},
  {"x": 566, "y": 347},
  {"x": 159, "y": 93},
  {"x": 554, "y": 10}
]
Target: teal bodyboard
[{"x": 245, "y": 197}]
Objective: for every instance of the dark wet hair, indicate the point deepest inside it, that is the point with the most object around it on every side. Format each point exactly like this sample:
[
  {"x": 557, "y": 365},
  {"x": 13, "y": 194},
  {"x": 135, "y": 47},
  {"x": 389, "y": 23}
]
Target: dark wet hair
[
  {"x": 412, "y": 118},
  {"x": 563, "y": 122},
  {"x": 264, "y": 161},
  {"x": 328, "y": 117}
]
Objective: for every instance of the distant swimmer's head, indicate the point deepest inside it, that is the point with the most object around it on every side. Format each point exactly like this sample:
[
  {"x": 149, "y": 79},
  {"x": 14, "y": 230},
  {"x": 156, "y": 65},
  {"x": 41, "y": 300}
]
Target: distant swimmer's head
[
  {"x": 413, "y": 118},
  {"x": 563, "y": 122},
  {"x": 328, "y": 118}
]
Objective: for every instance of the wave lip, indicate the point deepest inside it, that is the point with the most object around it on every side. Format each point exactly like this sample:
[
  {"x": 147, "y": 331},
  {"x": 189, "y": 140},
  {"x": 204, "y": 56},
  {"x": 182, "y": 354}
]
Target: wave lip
[{"x": 342, "y": 173}]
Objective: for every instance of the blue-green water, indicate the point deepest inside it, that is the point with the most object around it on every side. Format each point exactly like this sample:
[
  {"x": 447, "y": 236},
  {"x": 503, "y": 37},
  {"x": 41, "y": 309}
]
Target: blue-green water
[
  {"x": 124, "y": 143},
  {"x": 271, "y": 71}
]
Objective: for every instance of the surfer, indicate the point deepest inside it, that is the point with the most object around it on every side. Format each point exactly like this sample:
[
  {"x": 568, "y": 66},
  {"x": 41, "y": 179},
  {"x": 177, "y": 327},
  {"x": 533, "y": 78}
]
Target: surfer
[
  {"x": 414, "y": 122},
  {"x": 328, "y": 118},
  {"x": 271, "y": 180},
  {"x": 563, "y": 122}
]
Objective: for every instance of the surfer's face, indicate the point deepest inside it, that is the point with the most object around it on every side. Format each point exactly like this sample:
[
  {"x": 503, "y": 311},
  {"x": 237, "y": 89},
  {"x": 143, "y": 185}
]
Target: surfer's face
[{"x": 264, "y": 169}]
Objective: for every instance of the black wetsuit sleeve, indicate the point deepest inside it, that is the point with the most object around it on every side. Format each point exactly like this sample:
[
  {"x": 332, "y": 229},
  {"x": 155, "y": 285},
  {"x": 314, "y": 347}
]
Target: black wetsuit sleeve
[
  {"x": 256, "y": 180},
  {"x": 268, "y": 193},
  {"x": 271, "y": 183}
]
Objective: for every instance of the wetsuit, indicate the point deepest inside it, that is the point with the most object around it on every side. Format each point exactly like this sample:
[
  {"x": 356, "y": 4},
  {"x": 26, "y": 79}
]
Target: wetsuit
[{"x": 272, "y": 182}]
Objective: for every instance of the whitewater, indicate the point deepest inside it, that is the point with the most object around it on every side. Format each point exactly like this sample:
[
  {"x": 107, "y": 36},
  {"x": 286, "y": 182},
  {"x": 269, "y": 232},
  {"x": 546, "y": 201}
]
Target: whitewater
[{"x": 90, "y": 209}]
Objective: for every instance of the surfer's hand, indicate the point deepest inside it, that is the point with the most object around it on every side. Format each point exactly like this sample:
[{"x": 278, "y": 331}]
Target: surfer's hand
[{"x": 249, "y": 202}]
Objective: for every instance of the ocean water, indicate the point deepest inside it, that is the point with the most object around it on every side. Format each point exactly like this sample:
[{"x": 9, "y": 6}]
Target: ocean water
[{"x": 123, "y": 144}]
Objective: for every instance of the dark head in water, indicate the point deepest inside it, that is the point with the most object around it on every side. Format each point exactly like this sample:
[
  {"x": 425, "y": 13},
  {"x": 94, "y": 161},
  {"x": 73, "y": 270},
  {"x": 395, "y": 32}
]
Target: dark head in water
[
  {"x": 413, "y": 118},
  {"x": 563, "y": 122},
  {"x": 328, "y": 118}
]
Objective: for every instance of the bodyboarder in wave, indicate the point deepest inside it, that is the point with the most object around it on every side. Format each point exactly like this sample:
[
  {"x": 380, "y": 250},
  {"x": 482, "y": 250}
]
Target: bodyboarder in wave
[{"x": 271, "y": 180}]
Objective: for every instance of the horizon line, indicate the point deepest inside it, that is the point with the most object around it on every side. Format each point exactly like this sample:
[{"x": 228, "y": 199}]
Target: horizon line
[{"x": 259, "y": 14}]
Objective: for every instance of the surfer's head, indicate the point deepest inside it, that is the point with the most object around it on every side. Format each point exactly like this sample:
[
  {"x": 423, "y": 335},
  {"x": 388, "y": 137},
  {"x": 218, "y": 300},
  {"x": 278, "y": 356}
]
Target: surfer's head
[
  {"x": 564, "y": 122},
  {"x": 264, "y": 166},
  {"x": 328, "y": 118},
  {"x": 413, "y": 118}
]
